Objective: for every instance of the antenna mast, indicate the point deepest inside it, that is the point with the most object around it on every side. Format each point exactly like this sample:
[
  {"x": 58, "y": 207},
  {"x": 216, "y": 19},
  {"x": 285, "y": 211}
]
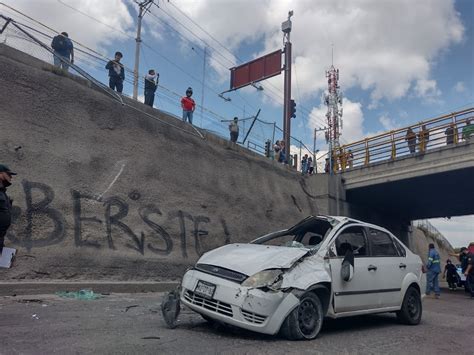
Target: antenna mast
[{"x": 333, "y": 100}]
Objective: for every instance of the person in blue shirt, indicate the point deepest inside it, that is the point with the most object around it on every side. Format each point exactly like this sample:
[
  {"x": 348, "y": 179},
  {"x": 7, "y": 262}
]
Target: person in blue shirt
[
  {"x": 434, "y": 269},
  {"x": 63, "y": 51}
]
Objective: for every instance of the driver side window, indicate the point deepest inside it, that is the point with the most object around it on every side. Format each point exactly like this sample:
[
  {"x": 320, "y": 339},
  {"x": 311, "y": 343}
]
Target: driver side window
[{"x": 352, "y": 238}]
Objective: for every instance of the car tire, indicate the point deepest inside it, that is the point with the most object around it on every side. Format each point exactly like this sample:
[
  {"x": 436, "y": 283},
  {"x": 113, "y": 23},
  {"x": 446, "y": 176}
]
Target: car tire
[
  {"x": 412, "y": 307},
  {"x": 305, "y": 321}
]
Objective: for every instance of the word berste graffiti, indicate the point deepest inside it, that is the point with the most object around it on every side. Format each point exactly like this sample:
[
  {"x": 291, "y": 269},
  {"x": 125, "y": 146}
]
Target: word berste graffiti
[{"x": 30, "y": 232}]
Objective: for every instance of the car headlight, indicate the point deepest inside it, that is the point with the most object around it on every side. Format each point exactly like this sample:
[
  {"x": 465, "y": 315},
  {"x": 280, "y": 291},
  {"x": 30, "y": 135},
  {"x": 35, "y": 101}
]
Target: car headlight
[{"x": 262, "y": 278}]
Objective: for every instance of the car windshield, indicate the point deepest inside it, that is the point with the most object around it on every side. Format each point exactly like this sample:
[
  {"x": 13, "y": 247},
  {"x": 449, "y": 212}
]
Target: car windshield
[{"x": 308, "y": 234}]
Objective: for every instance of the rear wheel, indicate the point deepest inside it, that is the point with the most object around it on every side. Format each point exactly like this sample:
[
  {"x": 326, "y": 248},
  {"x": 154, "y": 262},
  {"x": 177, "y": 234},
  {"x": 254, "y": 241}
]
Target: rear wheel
[
  {"x": 412, "y": 308},
  {"x": 305, "y": 321}
]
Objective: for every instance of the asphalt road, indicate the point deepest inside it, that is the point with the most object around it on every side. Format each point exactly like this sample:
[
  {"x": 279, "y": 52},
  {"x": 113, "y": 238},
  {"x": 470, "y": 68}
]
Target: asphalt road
[{"x": 132, "y": 324}]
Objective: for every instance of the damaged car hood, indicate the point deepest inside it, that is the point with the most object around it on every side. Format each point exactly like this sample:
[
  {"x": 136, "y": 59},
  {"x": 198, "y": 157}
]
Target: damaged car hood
[{"x": 249, "y": 259}]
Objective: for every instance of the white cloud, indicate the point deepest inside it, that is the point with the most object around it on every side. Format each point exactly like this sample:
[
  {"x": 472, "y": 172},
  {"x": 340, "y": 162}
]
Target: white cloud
[
  {"x": 459, "y": 87},
  {"x": 427, "y": 89},
  {"x": 459, "y": 231},
  {"x": 381, "y": 46},
  {"x": 113, "y": 13},
  {"x": 353, "y": 120},
  {"x": 387, "y": 123}
]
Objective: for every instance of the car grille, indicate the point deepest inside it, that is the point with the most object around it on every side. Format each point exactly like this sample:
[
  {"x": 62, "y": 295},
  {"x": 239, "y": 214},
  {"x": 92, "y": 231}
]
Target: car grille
[
  {"x": 221, "y": 272},
  {"x": 209, "y": 304},
  {"x": 253, "y": 318}
]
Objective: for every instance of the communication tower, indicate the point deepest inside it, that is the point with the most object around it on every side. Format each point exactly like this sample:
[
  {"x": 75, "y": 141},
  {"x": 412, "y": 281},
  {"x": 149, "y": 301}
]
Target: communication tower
[{"x": 333, "y": 100}]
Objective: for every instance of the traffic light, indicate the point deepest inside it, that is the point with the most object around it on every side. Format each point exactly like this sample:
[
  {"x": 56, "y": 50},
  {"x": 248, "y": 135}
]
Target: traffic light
[
  {"x": 292, "y": 108},
  {"x": 267, "y": 148}
]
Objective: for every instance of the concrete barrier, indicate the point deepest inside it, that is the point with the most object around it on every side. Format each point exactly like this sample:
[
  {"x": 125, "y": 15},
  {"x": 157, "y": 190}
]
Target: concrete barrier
[{"x": 107, "y": 192}]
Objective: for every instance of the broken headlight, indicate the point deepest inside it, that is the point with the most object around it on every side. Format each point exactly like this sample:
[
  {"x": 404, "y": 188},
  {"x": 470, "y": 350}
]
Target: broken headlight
[{"x": 265, "y": 278}]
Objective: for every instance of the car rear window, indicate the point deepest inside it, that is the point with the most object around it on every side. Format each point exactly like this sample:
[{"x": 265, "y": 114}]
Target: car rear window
[{"x": 381, "y": 243}]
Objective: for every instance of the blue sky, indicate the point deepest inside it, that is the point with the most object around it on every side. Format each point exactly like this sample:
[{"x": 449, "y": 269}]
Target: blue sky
[{"x": 400, "y": 61}]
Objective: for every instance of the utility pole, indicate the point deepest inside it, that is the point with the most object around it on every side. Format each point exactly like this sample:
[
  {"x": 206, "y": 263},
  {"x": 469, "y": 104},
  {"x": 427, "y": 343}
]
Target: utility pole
[
  {"x": 203, "y": 81},
  {"x": 143, "y": 7},
  {"x": 316, "y": 130},
  {"x": 286, "y": 28}
]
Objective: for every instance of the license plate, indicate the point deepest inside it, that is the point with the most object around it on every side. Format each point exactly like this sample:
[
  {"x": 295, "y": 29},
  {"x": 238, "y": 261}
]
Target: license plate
[{"x": 205, "y": 289}]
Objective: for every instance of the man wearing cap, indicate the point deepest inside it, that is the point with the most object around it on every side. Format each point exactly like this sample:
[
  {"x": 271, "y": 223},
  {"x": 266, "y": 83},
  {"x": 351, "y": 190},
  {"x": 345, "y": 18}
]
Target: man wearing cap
[
  {"x": 63, "y": 51},
  {"x": 5, "y": 203}
]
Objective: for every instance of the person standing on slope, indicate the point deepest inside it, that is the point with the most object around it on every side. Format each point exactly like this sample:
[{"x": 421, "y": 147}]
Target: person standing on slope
[{"x": 188, "y": 105}]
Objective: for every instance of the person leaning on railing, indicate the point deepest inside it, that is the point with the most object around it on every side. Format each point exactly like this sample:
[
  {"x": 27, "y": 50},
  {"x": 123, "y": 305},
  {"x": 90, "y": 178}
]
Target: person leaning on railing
[
  {"x": 423, "y": 138},
  {"x": 468, "y": 130},
  {"x": 410, "y": 137}
]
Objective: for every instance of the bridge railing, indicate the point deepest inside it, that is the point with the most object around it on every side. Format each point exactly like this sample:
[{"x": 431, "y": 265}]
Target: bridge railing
[{"x": 429, "y": 134}]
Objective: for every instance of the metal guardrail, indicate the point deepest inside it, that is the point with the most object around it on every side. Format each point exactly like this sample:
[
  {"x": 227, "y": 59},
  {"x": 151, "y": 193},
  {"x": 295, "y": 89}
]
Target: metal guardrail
[{"x": 433, "y": 133}]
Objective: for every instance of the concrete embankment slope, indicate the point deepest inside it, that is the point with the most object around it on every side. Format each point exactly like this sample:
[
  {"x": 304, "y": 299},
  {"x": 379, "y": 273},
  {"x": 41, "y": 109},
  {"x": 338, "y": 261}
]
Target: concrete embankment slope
[{"x": 106, "y": 192}]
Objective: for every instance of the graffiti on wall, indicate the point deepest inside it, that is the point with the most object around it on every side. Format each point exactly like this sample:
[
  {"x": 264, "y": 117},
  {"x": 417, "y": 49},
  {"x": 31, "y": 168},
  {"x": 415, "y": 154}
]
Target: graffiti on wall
[{"x": 110, "y": 221}]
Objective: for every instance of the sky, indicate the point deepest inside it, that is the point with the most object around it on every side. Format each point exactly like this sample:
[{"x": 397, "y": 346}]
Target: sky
[{"x": 400, "y": 61}]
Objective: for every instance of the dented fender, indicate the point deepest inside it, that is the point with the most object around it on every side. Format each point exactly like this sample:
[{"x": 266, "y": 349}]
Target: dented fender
[{"x": 310, "y": 270}]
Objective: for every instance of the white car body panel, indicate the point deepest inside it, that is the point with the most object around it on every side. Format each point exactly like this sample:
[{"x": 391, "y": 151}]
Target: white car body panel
[
  {"x": 264, "y": 309},
  {"x": 273, "y": 306},
  {"x": 249, "y": 259}
]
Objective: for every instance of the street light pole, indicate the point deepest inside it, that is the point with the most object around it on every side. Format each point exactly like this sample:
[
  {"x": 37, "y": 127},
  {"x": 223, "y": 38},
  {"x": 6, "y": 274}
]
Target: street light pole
[
  {"x": 142, "y": 9},
  {"x": 286, "y": 28}
]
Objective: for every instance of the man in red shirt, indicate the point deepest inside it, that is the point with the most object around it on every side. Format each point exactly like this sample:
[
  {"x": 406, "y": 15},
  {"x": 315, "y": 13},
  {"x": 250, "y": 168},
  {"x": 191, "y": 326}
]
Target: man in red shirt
[{"x": 188, "y": 105}]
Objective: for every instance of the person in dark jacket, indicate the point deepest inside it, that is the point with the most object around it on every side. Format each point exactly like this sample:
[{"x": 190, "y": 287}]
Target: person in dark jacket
[
  {"x": 410, "y": 137},
  {"x": 5, "y": 203},
  {"x": 116, "y": 73},
  {"x": 451, "y": 274},
  {"x": 63, "y": 51},
  {"x": 151, "y": 83}
]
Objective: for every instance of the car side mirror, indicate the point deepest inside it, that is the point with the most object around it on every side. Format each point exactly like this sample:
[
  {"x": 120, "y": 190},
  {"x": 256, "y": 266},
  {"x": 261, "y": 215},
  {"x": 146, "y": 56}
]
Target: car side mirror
[{"x": 347, "y": 268}]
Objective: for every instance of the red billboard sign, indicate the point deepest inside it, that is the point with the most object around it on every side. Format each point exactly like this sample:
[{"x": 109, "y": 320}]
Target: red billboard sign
[{"x": 258, "y": 69}]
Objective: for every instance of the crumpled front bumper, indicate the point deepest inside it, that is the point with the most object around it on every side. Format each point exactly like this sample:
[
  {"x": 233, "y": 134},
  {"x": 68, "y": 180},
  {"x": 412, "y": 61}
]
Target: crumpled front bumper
[{"x": 251, "y": 309}]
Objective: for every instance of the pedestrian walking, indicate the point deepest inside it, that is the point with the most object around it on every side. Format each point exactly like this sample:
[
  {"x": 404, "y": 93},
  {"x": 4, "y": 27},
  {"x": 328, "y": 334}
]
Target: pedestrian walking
[
  {"x": 234, "y": 130},
  {"x": 188, "y": 105},
  {"x": 304, "y": 164},
  {"x": 151, "y": 83},
  {"x": 450, "y": 273},
  {"x": 310, "y": 166},
  {"x": 434, "y": 268},
  {"x": 423, "y": 138},
  {"x": 410, "y": 137},
  {"x": 5, "y": 203},
  {"x": 63, "y": 51},
  {"x": 116, "y": 73},
  {"x": 451, "y": 134}
]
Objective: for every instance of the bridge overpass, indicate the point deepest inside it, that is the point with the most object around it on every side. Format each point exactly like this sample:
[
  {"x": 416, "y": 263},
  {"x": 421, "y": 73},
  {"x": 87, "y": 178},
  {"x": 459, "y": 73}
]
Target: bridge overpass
[{"x": 383, "y": 181}]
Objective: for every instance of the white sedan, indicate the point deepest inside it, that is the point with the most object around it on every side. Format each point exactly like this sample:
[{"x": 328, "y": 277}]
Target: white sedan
[{"x": 288, "y": 281}]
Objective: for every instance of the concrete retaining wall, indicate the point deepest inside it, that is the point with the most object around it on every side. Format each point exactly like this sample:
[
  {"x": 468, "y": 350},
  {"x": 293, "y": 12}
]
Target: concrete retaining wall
[{"x": 107, "y": 192}]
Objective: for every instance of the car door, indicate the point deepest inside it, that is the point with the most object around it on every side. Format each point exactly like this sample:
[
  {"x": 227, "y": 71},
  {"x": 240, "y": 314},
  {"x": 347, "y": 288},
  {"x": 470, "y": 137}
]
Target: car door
[
  {"x": 351, "y": 295},
  {"x": 391, "y": 267}
]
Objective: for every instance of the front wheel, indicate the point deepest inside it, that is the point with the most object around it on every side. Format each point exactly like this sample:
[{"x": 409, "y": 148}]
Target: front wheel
[
  {"x": 305, "y": 321},
  {"x": 412, "y": 308}
]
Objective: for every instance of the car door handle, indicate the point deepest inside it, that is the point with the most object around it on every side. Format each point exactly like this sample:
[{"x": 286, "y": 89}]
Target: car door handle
[
  {"x": 402, "y": 266},
  {"x": 372, "y": 268}
]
